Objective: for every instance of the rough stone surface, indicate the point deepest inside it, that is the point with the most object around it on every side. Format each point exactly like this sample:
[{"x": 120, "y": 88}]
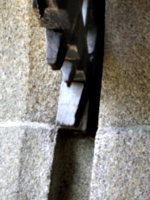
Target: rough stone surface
[
  {"x": 28, "y": 102},
  {"x": 125, "y": 96},
  {"x": 10, "y": 145},
  {"x": 14, "y": 67},
  {"x": 26, "y": 156},
  {"x": 121, "y": 166},
  {"x": 29, "y": 88},
  {"x": 43, "y": 83}
]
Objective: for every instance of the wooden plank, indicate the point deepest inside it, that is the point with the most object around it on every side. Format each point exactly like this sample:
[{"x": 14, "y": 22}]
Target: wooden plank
[
  {"x": 55, "y": 19},
  {"x": 68, "y": 72},
  {"x": 69, "y": 100},
  {"x": 79, "y": 76},
  {"x": 56, "y": 48}
]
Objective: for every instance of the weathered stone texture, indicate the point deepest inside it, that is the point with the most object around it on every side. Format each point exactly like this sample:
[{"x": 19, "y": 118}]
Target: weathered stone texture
[
  {"x": 26, "y": 156},
  {"x": 10, "y": 144},
  {"x": 121, "y": 166},
  {"x": 36, "y": 158},
  {"x": 14, "y": 68},
  {"x": 125, "y": 96},
  {"x": 43, "y": 83},
  {"x": 29, "y": 88},
  {"x": 29, "y": 91}
]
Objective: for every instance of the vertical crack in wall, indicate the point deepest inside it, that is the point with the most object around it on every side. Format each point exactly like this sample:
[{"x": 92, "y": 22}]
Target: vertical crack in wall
[{"x": 72, "y": 167}]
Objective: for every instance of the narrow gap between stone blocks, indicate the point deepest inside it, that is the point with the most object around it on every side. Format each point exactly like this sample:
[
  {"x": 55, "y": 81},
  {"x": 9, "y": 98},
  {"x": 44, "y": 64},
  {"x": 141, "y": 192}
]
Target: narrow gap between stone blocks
[{"x": 72, "y": 166}]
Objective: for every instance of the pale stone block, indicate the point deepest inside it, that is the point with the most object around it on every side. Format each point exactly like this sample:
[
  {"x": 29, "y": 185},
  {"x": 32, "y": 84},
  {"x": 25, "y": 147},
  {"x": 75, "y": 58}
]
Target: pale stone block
[
  {"x": 125, "y": 97},
  {"x": 26, "y": 156},
  {"x": 35, "y": 163},
  {"x": 29, "y": 88},
  {"x": 121, "y": 165},
  {"x": 43, "y": 83},
  {"x": 10, "y": 146},
  {"x": 27, "y": 93},
  {"x": 14, "y": 70}
]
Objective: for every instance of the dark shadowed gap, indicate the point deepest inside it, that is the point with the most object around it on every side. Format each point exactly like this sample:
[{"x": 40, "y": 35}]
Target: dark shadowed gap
[
  {"x": 73, "y": 156},
  {"x": 92, "y": 89},
  {"x": 72, "y": 167},
  {"x": 41, "y": 6},
  {"x": 96, "y": 67}
]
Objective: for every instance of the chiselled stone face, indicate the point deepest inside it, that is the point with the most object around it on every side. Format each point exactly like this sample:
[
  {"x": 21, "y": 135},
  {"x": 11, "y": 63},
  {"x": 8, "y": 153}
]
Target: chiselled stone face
[{"x": 125, "y": 96}]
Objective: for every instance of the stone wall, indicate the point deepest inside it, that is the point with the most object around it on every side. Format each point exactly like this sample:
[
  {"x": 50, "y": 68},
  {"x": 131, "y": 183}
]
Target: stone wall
[
  {"x": 125, "y": 87},
  {"x": 121, "y": 164},
  {"x": 33, "y": 163},
  {"x": 28, "y": 100}
]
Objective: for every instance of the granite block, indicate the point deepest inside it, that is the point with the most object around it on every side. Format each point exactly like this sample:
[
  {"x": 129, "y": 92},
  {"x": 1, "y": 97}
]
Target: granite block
[
  {"x": 29, "y": 88},
  {"x": 26, "y": 155},
  {"x": 36, "y": 160},
  {"x": 14, "y": 61},
  {"x": 125, "y": 97},
  {"x": 121, "y": 165},
  {"x": 29, "y": 93},
  {"x": 7, "y": 5},
  {"x": 14, "y": 69},
  {"x": 43, "y": 83},
  {"x": 10, "y": 145}
]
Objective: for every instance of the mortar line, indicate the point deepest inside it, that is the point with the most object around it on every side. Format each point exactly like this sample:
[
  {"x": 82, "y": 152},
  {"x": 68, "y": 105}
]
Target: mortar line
[{"x": 8, "y": 124}]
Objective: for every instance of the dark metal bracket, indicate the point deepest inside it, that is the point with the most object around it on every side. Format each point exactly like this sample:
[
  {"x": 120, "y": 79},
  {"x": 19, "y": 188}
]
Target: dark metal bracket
[{"x": 75, "y": 45}]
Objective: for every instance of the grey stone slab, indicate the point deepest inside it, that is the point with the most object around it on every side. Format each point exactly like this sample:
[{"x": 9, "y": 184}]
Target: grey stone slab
[
  {"x": 125, "y": 97},
  {"x": 26, "y": 156},
  {"x": 121, "y": 165},
  {"x": 10, "y": 145},
  {"x": 14, "y": 61},
  {"x": 36, "y": 161},
  {"x": 14, "y": 68},
  {"x": 43, "y": 82},
  {"x": 29, "y": 88}
]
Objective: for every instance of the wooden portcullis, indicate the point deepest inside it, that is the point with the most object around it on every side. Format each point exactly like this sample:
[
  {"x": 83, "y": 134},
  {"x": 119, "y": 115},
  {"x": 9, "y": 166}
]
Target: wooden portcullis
[{"x": 74, "y": 45}]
